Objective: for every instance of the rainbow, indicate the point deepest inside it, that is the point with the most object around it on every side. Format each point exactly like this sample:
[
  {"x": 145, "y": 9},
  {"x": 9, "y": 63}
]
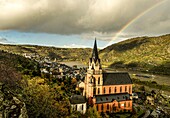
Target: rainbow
[{"x": 133, "y": 21}]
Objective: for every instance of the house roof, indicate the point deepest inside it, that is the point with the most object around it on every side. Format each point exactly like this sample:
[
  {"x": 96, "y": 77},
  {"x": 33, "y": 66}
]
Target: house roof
[
  {"x": 77, "y": 99},
  {"x": 111, "y": 97},
  {"x": 116, "y": 78}
]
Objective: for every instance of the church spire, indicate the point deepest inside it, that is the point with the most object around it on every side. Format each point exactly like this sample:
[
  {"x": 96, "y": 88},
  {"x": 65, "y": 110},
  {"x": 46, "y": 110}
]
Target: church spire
[{"x": 95, "y": 52}]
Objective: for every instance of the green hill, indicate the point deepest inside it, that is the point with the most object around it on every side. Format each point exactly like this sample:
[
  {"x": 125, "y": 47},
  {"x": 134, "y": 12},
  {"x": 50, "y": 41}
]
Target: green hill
[
  {"x": 61, "y": 54},
  {"x": 141, "y": 53},
  {"x": 151, "y": 54}
]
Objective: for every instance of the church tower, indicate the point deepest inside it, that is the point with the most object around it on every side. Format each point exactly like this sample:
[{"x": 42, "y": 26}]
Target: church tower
[{"x": 94, "y": 79}]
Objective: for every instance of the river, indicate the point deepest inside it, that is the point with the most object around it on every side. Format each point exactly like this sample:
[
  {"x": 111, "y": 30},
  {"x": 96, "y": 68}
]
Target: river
[
  {"x": 72, "y": 63},
  {"x": 160, "y": 79}
]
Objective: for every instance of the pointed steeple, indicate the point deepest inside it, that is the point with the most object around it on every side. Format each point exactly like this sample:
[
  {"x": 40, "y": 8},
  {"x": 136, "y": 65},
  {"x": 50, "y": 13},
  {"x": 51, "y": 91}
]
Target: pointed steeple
[{"x": 95, "y": 52}]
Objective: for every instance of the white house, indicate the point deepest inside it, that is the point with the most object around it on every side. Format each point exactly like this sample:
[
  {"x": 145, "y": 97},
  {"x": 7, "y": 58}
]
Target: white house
[{"x": 78, "y": 103}]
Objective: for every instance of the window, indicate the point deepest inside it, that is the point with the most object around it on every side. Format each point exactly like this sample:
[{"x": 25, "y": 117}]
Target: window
[
  {"x": 76, "y": 107},
  {"x": 119, "y": 105},
  {"x": 125, "y": 104},
  {"x": 128, "y": 104},
  {"x": 102, "y": 107},
  {"x": 104, "y": 90},
  {"x": 99, "y": 80},
  {"x": 129, "y": 89},
  {"x": 90, "y": 80},
  {"x": 121, "y": 89},
  {"x": 125, "y": 88},
  {"x": 98, "y": 90},
  {"x": 115, "y": 89},
  {"x": 94, "y": 91},
  {"x": 109, "y": 89},
  {"x": 94, "y": 81},
  {"x": 107, "y": 106},
  {"x": 82, "y": 106},
  {"x": 114, "y": 108}
]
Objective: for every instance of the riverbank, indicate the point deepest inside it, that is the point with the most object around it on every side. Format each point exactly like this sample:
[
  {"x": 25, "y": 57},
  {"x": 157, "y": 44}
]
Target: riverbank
[
  {"x": 160, "y": 79},
  {"x": 142, "y": 76}
]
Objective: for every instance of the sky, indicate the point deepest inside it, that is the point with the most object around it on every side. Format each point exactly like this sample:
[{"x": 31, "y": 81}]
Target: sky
[{"x": 76, "y": 23}]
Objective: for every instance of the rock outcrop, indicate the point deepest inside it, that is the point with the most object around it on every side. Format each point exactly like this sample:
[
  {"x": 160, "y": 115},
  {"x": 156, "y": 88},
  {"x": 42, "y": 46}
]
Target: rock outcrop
[{"x": 10, "y": 105}]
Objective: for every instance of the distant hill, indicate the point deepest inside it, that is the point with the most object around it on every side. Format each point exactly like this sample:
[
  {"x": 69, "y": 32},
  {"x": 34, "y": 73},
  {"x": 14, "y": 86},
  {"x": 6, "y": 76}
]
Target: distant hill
[
  {"x": 141, "y": 53},
  {"x": 150, "y": 54},
  {"x": 61, "y": 54}
]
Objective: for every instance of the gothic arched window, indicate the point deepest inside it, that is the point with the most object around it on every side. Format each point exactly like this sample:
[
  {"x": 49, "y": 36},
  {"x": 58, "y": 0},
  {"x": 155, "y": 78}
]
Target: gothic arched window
[
  {"x": 120, "y": 89},
  {"x": 102, "y": 107},
  {"x": 94, "y": 80},
  {"x": 91, "y": 80},
  {"x": 129, "y": 89},
  {"x": 125, "y": 88},
  {"x": 97, "y": 107},
  {"x": 107, "y": 106},
  {"x": 82, "y": 107},
  {"x": 115, "y": 89},
  {"x": 104, "y": 90},
  {"x": 99, "y": 80},
  {"x": 109, "y": 89},
  {"x": 119, "y": 105},
  {"x": 94, "y": 91},
  {"x": 128, "y": 104},
  {"x": 98, "y": 90}
]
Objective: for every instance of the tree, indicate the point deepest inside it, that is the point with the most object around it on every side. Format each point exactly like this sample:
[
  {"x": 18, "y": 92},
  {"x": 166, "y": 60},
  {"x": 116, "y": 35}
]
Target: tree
[
  {"x": 9, "y": 76},
  {"x": 41, "y": 101},
  {"x": 93, "y": 113}
]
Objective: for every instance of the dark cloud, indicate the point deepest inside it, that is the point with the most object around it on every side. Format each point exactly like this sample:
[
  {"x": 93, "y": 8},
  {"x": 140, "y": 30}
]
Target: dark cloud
[
  {"x": 80, "y": 16},
  {"x": 154, "y": 22}
]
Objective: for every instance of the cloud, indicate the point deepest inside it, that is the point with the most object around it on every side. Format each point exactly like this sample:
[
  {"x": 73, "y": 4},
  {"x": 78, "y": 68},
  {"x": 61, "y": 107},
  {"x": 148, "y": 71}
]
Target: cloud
[
  {"x": 157, "y": 21},
  {"x": 76, "y": 17},
  {"x": 3, "y": 40},
  {"x": 6, "y": 41},
  {"x": 75, "y": 46},
  {"x": 105, "y": 36}
]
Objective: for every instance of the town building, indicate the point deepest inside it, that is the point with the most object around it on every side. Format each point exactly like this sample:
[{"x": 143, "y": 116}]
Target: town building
[
  {"x": 78, "y": 103},
  {"x": 107, "y": 91}
]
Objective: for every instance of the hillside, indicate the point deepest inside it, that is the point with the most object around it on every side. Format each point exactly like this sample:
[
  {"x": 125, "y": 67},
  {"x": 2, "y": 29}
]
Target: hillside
[
  {"x": 141, "y": 53},
  {"x": 61, "y": 54},
  {"x": 24, "y": 93},
  {"x": 149, "y": 54},
  {"x": 18, "y": 63}
]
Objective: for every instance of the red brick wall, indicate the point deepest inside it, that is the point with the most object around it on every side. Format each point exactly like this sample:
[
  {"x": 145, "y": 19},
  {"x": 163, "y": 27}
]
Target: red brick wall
[
  {"x": 111, "y": 89},
  {"x": 115, "y": 106}
]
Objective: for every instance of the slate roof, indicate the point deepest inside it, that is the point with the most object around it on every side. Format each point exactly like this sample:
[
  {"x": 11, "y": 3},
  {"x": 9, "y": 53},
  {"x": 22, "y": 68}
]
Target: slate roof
[
  {"x": 116, "y": 78},
  {"x": 106, "y": 98},
  {"x": 77, "y": 99}
]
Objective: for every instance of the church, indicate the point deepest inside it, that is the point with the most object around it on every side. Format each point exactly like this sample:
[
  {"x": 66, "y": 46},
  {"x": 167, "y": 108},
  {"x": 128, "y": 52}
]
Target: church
[{"x": 107, "y": 91}]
